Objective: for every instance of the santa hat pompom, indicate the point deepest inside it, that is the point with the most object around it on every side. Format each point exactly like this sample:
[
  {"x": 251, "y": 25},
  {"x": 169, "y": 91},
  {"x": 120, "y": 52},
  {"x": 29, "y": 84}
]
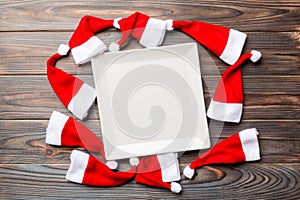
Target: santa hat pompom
[
  {"x": 256, "y": 55},
  {"x": 134, "y": 161},
  {"x": 188, "y": 172},
  {"x": 63, "y": 49},
  {"x": 176, "y": 187},
  {"x": 112, "y": 164},
  {"x": 113, "y": 47}
]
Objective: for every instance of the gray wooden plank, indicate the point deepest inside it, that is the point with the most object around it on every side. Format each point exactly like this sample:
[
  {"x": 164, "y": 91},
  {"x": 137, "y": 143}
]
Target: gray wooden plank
[
  {"x": 247, "y": 181},
  {"x": 273, "y": 129},
  {"x": 23, "y": 141},
  {"x": 30, "y": 169},
  {"x": 64, "y": 15},
  {"x": 28, "y": 54},
  {"x": 266, "y": 98}
]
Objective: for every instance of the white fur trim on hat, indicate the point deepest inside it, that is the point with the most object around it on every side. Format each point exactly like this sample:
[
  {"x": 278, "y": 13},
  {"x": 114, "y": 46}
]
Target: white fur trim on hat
[
  {"x": 250, "y": 144},
  {"x": 82, "y": 101},
  {"x": 134, "y": 161},
  {"x": 87, "y": 50},
  {"x": 256, "y": 55},
  {"x": 112, "y": 164},
  {"x": 55, "y": 127},
  {"x": 154, "y": 33},
  {"x": 113, "y": 47},
  {"x": 188, "y": 172},
  {"x": 63, "y": 49},
  {"x": 234, "y": 46},
  {"x": 169, "y": 167},
  {"x": 116, "y": 22},
  {"x": 228, "y": 112},
  {"x": 79, "y": 161},
  {"x": 169, "y": 24},
  {"x": 176, "y": 187}
]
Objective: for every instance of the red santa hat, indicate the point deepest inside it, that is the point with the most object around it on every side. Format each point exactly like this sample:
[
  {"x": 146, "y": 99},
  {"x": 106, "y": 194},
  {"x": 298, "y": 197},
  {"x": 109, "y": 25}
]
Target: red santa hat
[
  {"x": 148, "y": 31},
  {"x": 240, "y": 147},
  {"x": 227, "y": 103},
  {"x": 224, "y": 42},
  {"x": 149, "y": 172},
  {"x": 66, "y": 131},
  {"x": 84, "y": 43},
  {"x": 76, "y": 95},
  {"x": 89, "y": 170}
]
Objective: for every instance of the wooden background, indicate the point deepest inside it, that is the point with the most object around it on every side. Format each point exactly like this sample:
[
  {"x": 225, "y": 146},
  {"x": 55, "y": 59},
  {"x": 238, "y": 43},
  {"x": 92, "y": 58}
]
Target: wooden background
[{"x": 30, "y": 31}]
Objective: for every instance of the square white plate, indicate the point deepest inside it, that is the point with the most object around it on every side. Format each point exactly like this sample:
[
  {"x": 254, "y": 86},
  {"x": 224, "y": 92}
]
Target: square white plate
[{"x": 151, "y": 101}]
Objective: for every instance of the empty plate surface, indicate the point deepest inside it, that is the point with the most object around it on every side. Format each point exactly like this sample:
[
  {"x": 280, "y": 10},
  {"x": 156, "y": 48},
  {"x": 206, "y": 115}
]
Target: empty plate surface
[{"x": 151, "y": 101}]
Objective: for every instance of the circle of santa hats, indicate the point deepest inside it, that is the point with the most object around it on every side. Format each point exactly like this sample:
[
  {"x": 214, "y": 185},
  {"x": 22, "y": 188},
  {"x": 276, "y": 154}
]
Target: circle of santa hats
[
  {"x": 78, "y": 96},
  {"x": 240, "y": 147},
  {"x": 227, "y": 102}
]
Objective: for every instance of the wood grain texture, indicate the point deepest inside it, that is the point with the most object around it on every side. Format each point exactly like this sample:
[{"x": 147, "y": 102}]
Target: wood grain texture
[
  {"x": 20, "y": 101},
  {"x": 23, "y": 141},
  {"x": 33, "y": 49},
  {"x": 31, "y": 30},
  {"x": 59, "y": 15},
  {"x": 248, "y": 181},
  {"x": 277, "y": 129}
]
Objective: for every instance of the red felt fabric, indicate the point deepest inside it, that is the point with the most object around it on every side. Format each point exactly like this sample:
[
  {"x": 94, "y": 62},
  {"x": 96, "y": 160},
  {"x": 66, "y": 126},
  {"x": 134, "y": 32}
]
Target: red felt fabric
[
  {"x": 230, "y": 87},
  {"x": 64, "y": 85},
  {"x": 141, "y": 22},
  {"x": 98, "y": 174},
  {"x": 211, "y": 36},
  {"x": 87, "y": 28},
  {"x": 133, "y": 25},
  {"x": 76, "y": 134},
  {"x": 149, "y": 172},
  {"x": 228, "y": 151}
]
